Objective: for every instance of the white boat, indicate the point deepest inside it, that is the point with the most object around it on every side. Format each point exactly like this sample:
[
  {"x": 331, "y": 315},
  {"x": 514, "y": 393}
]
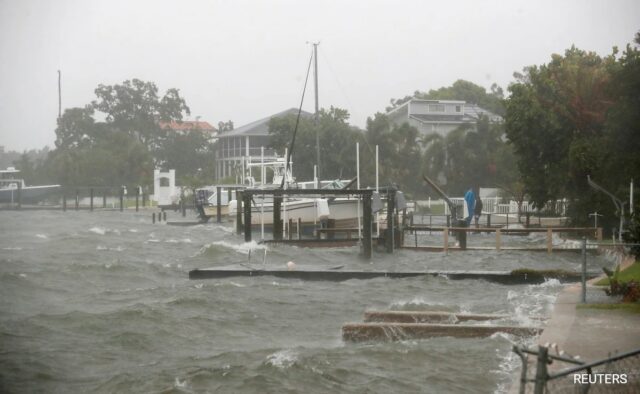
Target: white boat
[{"x": 14, "y": 190}]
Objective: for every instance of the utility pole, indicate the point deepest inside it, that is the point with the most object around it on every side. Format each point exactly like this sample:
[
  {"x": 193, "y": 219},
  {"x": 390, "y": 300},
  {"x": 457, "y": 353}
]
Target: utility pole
[
  {"x": 317, "y": 113},
  {"x": 59, "y": 95}
]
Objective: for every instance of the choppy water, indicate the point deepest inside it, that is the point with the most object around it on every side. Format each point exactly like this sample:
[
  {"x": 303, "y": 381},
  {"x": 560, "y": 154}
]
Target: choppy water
[{"x": 101, "y": 302}]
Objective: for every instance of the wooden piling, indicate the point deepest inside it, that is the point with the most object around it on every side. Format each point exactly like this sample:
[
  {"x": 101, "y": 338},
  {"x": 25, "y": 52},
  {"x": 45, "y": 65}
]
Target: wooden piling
[
  {"x": 239, "y": 200},
  {"x": 277, "y": 222},
  {"x": 153, "y": 218},
  {"x": 599, "y": 234},
  {"x": 19, "y": 195},
  {"x": 91, "y": 199},
  {"x": 77, "y": 199},
  {"x": 446, "y": 240},
  {"x": 164, "y": 216},
  {"x": 137, "y": 199},
  {"x": 104, "y": 198},
  {"x": 498, "y": 239},
  {"x": 549, "y": 240},
  {"x": 121, "y": 199},
  {"x": 299, "y": 228},
  {"x": 247, "y": 216},
  {"x": 289, "y": 227},
  {"x": 64, "y": 201}
]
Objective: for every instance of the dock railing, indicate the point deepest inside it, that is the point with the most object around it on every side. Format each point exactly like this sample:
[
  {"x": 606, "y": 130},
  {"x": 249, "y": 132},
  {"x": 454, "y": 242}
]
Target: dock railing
[{"x": 618, "y": 373}]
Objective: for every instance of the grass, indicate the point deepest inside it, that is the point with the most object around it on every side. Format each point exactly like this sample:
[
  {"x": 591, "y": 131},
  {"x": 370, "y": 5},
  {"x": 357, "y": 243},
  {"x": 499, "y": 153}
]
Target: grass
[
  {"x": 630, "y": 273},
  {"x": 626, "y": 307}
]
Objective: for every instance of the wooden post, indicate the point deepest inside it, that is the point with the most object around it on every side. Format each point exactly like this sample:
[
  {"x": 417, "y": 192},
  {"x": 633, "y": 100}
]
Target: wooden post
[
  {"x": 599, "y": 234},
  {"x": 91, "y": 199},
  {"x": 121, "y": 198},
  {"x": 104, "y": 198},
  {"x": 218, "y": 204},
  {"x": 153, "y": 218},
  {"x": 164, "y": 216},
  {"x": 137, "y": 198},
  {"x": 246, "y": 197},
  {"x": 19, "y": 195},
  {"x": 289, "y": 232},
  {"x": 277, "y": 223},
  {"x": 299, "y": 228},
  {"x": 64, "y": 200},
  {"x": 367, "y": 218},
  {"x": 446, "y": 239},
  {"x": 144, "y": 199},
  {"x": 527, "y": 222},
  {"x": 448, "y": 220},
  {"x": 489, "y": 220},
  {"x": 541, "y": 370},
  {"x": 498, "y": 240},
  {"x": 77, "y": 199},
  {"x": 549, "y": 240},
  {"x": 391, "y": 206},
  {"x": 239, "y": 200}
]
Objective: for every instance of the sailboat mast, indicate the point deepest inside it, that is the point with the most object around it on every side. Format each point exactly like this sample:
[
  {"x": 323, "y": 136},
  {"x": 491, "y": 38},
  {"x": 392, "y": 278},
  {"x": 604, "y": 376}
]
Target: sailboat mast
[{"x": 317, "y": 113}]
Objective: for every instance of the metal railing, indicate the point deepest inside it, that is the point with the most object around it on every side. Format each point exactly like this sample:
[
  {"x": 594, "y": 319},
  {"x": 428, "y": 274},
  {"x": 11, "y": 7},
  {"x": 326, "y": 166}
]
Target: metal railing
[{"x": 619, "y": 373}]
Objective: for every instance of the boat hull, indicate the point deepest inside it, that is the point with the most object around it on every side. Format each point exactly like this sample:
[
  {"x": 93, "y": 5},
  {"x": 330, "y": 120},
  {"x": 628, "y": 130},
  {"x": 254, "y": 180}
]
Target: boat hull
[{"x": 28, "y": 194}]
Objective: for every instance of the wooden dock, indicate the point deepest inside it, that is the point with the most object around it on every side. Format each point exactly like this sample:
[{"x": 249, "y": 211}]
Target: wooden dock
[
  {"x": 504, "y": 277},
  {"x": 359, "y": 332}
]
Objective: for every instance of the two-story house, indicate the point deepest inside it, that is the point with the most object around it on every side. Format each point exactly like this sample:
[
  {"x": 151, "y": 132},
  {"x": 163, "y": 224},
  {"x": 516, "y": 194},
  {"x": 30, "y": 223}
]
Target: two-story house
[
  {"x": 438, "y": 116},
  {"x": 245, "y": 143}
]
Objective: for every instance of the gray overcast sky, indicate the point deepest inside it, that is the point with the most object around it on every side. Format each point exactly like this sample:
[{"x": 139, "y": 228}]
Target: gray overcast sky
[{"x": 244, "y": 60}]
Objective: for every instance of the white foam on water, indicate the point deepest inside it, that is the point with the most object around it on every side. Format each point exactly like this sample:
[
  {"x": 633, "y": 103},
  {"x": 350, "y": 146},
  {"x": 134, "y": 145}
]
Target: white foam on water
[
  {"x": 282, "y": 359},
  {"x": 100, "y": 247},
  {"x": 153, "y": 240},
  {"x": 180, "y": 384},
  {"x": 42, "y": 236},
  {"x": 199, "y": 285},
  {"x": 414, "y": 302},
  {"x": 243, "y": 248},
  {"x": 133, "y": 230},
  {"x": 12, "y": 248},
  {"x": 98, "y": 230},
  {"x": 22, "y": 275}
]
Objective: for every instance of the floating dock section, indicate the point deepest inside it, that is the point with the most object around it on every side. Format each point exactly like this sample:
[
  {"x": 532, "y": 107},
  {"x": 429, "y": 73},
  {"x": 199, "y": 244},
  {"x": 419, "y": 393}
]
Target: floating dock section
[
  {"x": 504, "y": 277},
  {"x": 401, "y": 325},
  {"x": 358, "y": 332}
]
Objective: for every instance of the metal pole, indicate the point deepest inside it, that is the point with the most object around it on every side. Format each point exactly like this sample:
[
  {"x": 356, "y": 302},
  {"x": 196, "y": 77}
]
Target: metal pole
[
  {"x": 277, "y": 224},
  {"x": 218, "y": 202},
  {"x": 377, "y": 191},
  {"x": 358, "y": 186},
  {"x": 584, "y": 270},
  {"x": 247, "y": 216},
  {"x": 366, "y": 241},
  {"x": 541, "y": 370},
  {"x": 317, "y": 112},
  {"x": 391, "y": 205}
]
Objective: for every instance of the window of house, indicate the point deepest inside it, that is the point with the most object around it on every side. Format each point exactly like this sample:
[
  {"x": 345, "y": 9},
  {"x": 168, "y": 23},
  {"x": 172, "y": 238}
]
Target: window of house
[
  {"x": 458, "y": 108},
  {"x": 436, "y": 107}
]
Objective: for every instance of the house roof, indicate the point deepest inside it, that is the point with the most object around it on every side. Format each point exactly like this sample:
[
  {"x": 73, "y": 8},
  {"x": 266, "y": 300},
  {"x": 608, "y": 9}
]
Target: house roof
[
  {"x": 186, "y": 125},
  {"x": 472, "y": 112},
  {"x": 261, "y": 126}
]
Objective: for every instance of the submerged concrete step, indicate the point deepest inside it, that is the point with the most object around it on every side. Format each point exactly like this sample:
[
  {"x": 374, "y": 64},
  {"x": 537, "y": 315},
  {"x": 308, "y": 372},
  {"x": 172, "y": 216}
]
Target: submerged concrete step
[{"x": 358, "y": 332}]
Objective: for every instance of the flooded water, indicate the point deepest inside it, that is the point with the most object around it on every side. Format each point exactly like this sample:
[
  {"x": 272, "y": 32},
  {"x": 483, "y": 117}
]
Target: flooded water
[{"x": 101, "y": 302}]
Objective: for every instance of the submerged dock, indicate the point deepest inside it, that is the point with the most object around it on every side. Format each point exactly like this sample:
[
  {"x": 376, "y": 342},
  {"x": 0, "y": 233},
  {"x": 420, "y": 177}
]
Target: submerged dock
[{"x": 337, "y": 275}]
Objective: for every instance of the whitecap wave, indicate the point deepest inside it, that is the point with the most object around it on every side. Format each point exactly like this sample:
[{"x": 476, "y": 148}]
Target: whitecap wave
[
  {"x": 243, "y": 248},
  {"x": 282, "y": 359},
  {"x": 42, "y": 236},
  {"x": 98, "y": 230}
]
